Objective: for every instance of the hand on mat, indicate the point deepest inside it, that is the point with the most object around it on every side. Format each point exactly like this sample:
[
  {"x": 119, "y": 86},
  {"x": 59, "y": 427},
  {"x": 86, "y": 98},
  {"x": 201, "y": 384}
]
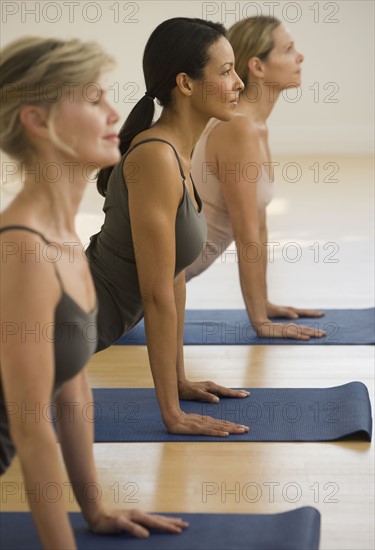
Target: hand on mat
[
  {"x": 287, "y": 312},
  {"x": 206, "y": 391},
  {"x": 135, "y": 522},
  {"x": 291, "y": 331},
  {"x": 199, "y": 424}
]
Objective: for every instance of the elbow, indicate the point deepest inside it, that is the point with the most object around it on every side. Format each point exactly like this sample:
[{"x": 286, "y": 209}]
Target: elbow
[
  {"x": 158, "y": 298},
  {"x": 245, "y": 237},
  {"x": 30, "y": 436}
]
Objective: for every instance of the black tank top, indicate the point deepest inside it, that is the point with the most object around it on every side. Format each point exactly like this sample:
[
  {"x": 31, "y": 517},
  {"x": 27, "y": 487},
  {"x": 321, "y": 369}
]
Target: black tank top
[
  {"x": 74, "y": 336},
  {"x": 112, "y": 256}
]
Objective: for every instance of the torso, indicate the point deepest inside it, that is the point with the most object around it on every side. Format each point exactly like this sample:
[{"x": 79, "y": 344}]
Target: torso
[
  {"x": 73, "y": 334},
  {"x": 112, "y": 256},
  {"x": 205, "y": 171}
]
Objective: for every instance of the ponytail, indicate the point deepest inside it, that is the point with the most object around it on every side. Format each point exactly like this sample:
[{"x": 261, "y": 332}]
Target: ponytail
[
  {"x": 139, "y": 119},
  {"x": 177, "y": 45}
]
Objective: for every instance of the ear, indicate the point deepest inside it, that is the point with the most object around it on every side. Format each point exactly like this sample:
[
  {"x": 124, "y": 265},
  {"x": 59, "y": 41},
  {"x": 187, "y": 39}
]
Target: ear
[
  {"x": 184, "y": 83},
  {"x": 255, "y": 66},
  {"x": 35, "y": 120}
]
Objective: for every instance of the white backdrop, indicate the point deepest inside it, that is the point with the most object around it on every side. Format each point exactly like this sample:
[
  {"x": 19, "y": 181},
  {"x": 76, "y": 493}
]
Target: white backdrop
[{"x": 332, "y": 113}]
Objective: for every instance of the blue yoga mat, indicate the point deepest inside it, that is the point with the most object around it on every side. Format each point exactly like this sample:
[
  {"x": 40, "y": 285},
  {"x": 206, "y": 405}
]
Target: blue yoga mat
[
  {"x": 286, "y": 414},
  {"x": 232, "y": 326},
  {"x": 295, "y": 530}
]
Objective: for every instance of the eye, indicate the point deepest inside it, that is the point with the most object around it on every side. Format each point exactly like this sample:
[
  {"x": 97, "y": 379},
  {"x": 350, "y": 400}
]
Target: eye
[
  {"x": 98, "y": 99},
  {"x": 227, "y": 72}
]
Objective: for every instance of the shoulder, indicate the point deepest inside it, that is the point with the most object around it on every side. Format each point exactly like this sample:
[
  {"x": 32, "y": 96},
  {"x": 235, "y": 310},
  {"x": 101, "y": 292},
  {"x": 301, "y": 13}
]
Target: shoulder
[
  {"x": 236, "y": 130},
  {"x": 153, "y": 166},
  {"x": 236, "y": 140},
  {"x": 152, "y": 154},
  {"x": 27, "y": 272}
]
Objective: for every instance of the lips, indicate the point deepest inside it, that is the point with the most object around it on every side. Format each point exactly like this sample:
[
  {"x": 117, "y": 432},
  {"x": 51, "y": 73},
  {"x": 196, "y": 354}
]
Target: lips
[{"x": 112, "y": 137}]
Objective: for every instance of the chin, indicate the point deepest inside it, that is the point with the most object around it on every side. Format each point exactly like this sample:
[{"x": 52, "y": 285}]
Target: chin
[
  {"x": 293, "y": 84},
  {"x": 110, "y": 160},
  {"x": 226, "y": 117}
]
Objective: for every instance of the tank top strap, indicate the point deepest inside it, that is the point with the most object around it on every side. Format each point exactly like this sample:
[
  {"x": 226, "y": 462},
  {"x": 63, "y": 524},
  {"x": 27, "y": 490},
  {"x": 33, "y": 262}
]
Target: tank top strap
[
  {"x": 163, "y": 141},
  {"x": 24, "y": 228}
]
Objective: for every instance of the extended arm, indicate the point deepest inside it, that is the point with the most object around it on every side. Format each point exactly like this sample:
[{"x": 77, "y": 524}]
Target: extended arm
[
  {"x": 76, "y": 438},
  {"x": 201, "y": 391},
  {"x": 153, "y": 203},
  {"x": 240, "y": 145},
  {"x": 29, "y": 294}
]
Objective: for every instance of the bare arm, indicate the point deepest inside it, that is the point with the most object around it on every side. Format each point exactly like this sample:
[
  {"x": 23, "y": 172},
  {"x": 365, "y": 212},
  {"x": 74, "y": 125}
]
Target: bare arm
[
  {"x": 29, "y": 294},
  {"x": 153, "y": 202},
  {"x": 286, "y": 312},
  {"x": 263, "y": 235},
  {"x": 238, "y": 145},
  {"x": 180, "y": 300},
  {"x": 235, "y": 147},
  {"x": 76, "y": 438}
]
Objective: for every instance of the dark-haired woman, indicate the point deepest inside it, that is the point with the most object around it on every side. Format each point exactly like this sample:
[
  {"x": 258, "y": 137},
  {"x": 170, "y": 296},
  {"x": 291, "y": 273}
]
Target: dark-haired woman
[{"x": 154, "y": 225}]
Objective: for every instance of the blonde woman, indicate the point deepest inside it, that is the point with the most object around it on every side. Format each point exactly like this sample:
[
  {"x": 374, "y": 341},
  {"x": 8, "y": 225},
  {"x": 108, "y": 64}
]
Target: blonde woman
[
  {"x": 55, "y": 120},
  {"x": 230, "y": 167}
]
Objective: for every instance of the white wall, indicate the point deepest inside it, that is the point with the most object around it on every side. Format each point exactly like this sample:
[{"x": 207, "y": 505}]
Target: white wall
[{"x": 337, "y": 39}]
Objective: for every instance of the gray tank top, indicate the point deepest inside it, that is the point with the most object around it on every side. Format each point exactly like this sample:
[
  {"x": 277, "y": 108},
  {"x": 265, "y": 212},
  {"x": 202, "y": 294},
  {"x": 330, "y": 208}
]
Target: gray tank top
[
  {"x": 111, "y": 253},
  {"x": 75, "y": 338}
]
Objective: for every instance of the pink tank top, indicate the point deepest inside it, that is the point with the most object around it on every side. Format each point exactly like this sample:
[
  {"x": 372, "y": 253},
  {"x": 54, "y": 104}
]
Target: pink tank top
[{"x": 220, "y": 233}]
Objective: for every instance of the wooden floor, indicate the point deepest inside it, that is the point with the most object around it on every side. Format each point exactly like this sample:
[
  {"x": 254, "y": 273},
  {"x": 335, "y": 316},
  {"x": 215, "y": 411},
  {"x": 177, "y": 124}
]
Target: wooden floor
[{"x": 337, "y": 478}]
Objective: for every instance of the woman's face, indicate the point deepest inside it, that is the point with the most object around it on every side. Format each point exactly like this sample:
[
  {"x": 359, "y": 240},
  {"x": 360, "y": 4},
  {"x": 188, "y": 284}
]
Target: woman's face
[
  {"x": 283, "y": 64},
  {"x": 85, "y": 122},
  {"x": 218, "y": 91}
]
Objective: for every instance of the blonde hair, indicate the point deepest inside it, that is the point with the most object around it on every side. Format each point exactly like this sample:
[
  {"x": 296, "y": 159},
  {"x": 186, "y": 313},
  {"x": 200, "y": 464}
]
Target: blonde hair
[
  {"x": 39, "y": 71},
  {"x": 251, "y": 37}
]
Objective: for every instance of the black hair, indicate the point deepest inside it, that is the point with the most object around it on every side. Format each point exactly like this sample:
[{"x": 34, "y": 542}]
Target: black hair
[{"x": 180, "y": 44}]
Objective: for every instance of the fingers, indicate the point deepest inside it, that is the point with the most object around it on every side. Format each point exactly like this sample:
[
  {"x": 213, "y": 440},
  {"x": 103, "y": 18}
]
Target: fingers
[
  {"x": 137, "y": 523},
  {"x": 135, "y": 529},
  {"x": 311, "y": 332},
  {"x": 205, "y": 425},
  {"x": 293, "y": 312},
  {"x": 291, "y": 331},
  {"x": 207, "y": 397},
  {"x": 289, "y": 313},
  {"x": 300, "y": 332},
  {"x": 224, "y": 391},
  {"x": 118, "y": 522},
  {"x": 208, "y": 393},
  {"x": 163, "y": 523},
  {"x": 309, "y": 313}
]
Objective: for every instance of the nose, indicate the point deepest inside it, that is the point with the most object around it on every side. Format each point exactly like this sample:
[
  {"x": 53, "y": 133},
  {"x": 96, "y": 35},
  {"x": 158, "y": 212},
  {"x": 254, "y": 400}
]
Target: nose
[
  {"x": 301, "y": 57},
  {"x": 113, "y": 115},
  {"x": 239, "y": 85}
]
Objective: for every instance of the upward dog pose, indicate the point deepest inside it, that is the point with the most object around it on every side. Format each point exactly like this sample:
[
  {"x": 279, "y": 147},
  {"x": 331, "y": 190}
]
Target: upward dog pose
[
  {"x": 235, "y": 200},
  {"x": 48, "y": 307},
  {"x": 154, "y": 225}
]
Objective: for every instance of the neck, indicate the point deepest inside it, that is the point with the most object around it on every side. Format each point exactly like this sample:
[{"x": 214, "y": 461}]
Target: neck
[
  {"x": 55, "y": 190},
  {"x": 258, "y": 101},
  {"x": 184, "y": 125}
]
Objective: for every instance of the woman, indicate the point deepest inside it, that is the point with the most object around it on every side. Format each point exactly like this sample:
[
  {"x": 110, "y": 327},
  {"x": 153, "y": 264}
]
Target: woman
[
  {"x": 154, "y": 225},
  {"x": 55, "y": 119},
  {"x": 230, "y": 167}
]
